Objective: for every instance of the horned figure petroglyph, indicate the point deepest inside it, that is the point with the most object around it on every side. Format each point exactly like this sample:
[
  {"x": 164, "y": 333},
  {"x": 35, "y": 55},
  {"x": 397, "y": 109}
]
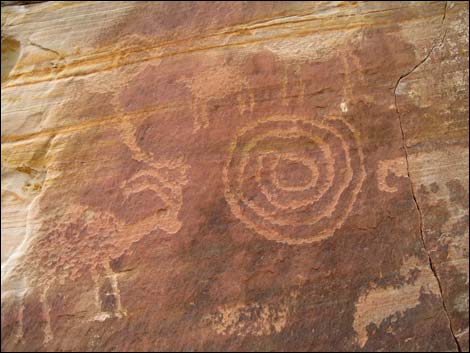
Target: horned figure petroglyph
[
  {"x": 330, "y": 156},
  {"x": 86, "y": 240}
]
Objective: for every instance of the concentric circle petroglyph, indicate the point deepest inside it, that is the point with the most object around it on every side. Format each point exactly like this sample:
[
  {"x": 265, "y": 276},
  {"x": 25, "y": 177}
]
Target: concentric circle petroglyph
[{"x": 324, "y": 163}]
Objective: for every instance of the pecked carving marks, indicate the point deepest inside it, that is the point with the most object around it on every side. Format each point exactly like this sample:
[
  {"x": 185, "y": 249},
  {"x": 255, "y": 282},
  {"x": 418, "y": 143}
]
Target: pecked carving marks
[
  {"x": 262, "y": 197},
  {"x": 253, "y": 319},
  {"x": 87, "y": 242},
  {"x": 395, "y": 166},
  {"x": 80, "y": 240},
  {"x": 48, "y": 335}
]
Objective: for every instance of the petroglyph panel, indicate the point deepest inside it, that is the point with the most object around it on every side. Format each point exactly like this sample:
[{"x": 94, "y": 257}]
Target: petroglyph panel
[
  {"x": 294, "y": 180},
  {"x": 172, "y": 171}
]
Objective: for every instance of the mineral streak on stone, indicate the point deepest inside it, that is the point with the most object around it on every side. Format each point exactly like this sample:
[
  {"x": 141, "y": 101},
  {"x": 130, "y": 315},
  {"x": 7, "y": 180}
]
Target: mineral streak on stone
[{"x": 234, "y": 176}]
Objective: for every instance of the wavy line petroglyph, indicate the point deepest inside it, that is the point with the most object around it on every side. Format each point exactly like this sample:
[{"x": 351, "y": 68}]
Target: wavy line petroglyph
[
  {"x": 164, "y": 177},
  {"x": 329, "y": 152}
]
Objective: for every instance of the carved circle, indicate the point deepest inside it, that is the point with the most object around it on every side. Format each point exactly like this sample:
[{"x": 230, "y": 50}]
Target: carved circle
[{"x": 328, "y": 153}]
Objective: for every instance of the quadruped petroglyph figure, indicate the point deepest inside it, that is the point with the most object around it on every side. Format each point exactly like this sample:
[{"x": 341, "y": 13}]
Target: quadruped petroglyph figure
[
  {"x": 377, "y": 303},
  {"x": 330, "y": 165},
  {"x": 83, "y": 239}
]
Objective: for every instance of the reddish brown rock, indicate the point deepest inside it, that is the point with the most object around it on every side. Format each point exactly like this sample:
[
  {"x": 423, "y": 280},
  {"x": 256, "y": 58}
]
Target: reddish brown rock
[{"x": 235, "y": 176}]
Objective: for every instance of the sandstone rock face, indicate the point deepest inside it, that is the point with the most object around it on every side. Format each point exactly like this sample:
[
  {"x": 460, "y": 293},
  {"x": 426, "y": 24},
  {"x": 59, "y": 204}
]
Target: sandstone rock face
[{"x": 235, "y": 176}]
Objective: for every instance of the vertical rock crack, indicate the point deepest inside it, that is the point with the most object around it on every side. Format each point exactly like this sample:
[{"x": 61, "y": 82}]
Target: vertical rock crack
[{"x": 412, "y": 187}]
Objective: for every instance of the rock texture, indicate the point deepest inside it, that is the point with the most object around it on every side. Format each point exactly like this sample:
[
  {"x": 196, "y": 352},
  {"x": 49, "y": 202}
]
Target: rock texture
[{"x": 235, "y": 176}]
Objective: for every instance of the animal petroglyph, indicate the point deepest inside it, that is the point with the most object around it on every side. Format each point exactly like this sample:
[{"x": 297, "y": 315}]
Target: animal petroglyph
[
  {"x": 395, "y": 166},
  {"x": 294, "y": 180},
  {"x": 87, "y": 241},
  {"x": 378, "y": 304},
  {"x": 83, "y": 239}
]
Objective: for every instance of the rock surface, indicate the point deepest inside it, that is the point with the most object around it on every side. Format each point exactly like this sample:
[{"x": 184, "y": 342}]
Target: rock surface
[{"x": 235, "y": 176}]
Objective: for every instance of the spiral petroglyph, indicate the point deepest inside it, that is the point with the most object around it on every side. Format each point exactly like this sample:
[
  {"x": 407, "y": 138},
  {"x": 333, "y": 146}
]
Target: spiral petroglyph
[{"x": 294, "y": 180}]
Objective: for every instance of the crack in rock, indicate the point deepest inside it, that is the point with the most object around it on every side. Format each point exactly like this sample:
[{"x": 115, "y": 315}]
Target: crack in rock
[{"x": 412, "y": 187}]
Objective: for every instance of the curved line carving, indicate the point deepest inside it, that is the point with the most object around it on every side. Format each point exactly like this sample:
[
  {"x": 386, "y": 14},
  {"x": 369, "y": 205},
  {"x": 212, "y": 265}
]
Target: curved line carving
[{"x": 299, "y": 214}]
